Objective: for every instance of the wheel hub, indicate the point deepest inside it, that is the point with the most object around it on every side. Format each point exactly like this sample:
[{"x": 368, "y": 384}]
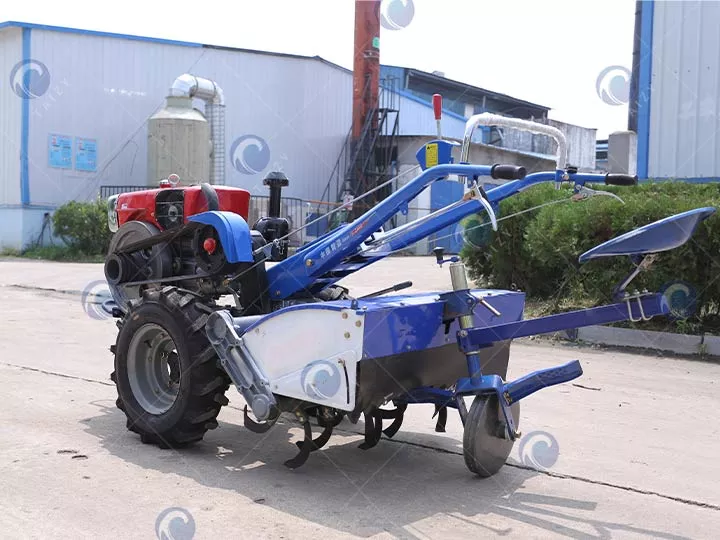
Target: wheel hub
[{"x": 153, "y": 369}]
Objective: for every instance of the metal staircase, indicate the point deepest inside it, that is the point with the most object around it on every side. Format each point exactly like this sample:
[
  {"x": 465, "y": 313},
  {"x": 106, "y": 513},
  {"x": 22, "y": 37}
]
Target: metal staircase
[{"x": 367, "y": 162}]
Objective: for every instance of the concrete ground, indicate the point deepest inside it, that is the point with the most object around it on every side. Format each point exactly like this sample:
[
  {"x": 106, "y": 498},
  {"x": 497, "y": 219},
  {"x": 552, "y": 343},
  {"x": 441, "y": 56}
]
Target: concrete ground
[{"x": 625, "y": 452}]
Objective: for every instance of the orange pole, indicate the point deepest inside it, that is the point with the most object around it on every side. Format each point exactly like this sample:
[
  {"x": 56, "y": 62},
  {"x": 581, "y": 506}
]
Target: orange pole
[{"x": 366, "y": 62}]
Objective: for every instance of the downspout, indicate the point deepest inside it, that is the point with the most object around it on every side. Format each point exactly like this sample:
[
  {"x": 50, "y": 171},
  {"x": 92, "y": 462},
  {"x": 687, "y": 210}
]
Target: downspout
[{"x": 197, "y": 87}]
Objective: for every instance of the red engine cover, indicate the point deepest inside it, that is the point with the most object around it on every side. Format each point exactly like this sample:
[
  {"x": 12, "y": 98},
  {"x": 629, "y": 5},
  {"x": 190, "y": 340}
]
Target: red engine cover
[{"x": 143, "y": 205}]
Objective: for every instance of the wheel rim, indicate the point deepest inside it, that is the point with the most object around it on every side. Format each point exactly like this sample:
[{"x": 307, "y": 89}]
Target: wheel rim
[{"x": 153, "y": 369}]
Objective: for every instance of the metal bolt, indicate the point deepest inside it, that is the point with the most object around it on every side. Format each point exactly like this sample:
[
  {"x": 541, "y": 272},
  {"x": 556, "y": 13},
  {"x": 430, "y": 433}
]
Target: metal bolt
[
  {"x": 347, "y": 335},
  {"x": 518, "y": 434},
  {"x": 358, "y": 324},
  {"x": 463, "y": 333},
  {"x": 309, "y": 262},
  {"x": 344, "y": 315}
]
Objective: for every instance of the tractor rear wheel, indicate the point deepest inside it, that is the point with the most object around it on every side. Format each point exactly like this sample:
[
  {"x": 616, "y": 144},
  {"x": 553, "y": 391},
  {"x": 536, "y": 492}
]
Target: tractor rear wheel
[{"x": 169, "y": 384}]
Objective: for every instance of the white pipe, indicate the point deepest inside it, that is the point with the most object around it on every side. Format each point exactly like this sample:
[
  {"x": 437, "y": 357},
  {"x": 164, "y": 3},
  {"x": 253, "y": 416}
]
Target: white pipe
[
  {"x": 489, "y": 119},
  {"x": 188, "y": 85}
]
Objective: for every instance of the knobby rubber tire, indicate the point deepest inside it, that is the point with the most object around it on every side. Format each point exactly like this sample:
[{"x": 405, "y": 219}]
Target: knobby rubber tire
[{"x": 203, "y": 383}]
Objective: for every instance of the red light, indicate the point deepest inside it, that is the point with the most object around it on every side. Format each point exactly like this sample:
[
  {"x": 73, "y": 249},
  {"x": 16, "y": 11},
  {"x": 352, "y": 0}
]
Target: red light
[{"x": 210, "y": 245}]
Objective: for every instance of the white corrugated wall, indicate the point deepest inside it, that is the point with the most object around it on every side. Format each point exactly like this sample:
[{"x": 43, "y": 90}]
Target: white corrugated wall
[
  {"x": 10, "y": 118},
  {"x": 685, "y": 90},
  {"x": 105, "y": 88},
  {"x": 418, "y": 119}
]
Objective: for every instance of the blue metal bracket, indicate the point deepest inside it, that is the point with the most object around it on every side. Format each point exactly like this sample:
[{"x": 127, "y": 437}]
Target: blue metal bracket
[
  {"x": 507, "y": 392},
  {"x": 641, "y": 307},
  {"x": 458, "y": 303}
]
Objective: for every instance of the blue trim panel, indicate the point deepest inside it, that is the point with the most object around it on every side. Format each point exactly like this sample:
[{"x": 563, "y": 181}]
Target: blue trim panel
[
  {"x": 28, "y": 26},
  {"x": 402, "y": 324},
  {"x": 644, "y": 88},
  {"x": 233, "y": 231},
  {"x": 25, "y": 129}
]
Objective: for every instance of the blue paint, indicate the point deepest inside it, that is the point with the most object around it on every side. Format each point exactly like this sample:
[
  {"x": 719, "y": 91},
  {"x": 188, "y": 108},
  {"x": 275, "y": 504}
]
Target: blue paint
[
  {"x": 542, "y": 378},
  {"x": 59, "y": 151},
  {"x": 644, "y": 88},
  {"x": 407, "y": 323},
  {"x": 233, "y": 231},
  {"x": 662, "y": 235},
  {"x": 25, "y": 129}
]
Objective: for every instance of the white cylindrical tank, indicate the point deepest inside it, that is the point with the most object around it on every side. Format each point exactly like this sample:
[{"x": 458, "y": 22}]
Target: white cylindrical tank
[{"x": 178, "y": 143}]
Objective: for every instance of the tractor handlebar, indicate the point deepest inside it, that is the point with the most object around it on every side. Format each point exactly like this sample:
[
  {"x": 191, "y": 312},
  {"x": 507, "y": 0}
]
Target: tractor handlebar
[
  {"x": 613, "y": 179},
  {"x": 507, "y": 172}
]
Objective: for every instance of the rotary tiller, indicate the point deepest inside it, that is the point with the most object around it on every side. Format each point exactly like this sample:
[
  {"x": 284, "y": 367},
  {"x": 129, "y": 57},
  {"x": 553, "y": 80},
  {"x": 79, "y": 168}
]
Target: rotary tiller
[{"x": 294, "y": 342}]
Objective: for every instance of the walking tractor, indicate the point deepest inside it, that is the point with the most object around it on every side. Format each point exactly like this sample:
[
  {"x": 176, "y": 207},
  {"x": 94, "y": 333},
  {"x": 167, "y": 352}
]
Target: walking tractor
[{"x": 296, "y": 344}]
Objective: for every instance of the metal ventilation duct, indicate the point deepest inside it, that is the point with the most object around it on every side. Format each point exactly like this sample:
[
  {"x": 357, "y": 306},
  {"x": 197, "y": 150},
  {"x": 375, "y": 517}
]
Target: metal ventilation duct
[{"x": 207, "y": 90}]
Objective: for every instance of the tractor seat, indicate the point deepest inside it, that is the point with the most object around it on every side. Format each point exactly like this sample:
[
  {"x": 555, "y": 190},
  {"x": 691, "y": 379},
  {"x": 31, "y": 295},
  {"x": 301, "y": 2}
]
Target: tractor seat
[{"x": 661, "y": 235}]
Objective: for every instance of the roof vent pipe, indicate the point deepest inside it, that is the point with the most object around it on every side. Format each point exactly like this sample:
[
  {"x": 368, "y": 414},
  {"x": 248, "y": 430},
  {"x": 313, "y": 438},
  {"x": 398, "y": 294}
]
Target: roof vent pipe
[{"x": 197, "y": 87}]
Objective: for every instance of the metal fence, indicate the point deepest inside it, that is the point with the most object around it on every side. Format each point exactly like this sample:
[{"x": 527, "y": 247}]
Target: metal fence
[{"x": 296, "y": 211}]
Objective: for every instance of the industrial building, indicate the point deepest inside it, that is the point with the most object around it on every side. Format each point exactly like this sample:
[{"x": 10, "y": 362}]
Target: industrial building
[
  {"x": 675, "y": 91},
  {"x": 77, "y": 122}
]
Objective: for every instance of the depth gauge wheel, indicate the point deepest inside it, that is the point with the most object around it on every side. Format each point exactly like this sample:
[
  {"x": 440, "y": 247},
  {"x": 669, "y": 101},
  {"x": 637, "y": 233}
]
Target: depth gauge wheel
[
  {"x": 166, "y": 373},
  {"x": 484, "y": 448}
]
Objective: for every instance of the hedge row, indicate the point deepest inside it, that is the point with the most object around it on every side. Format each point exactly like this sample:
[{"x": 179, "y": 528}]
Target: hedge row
[
  {"x": 83, "y": 226},
  {"x": 537, "y": 251}
]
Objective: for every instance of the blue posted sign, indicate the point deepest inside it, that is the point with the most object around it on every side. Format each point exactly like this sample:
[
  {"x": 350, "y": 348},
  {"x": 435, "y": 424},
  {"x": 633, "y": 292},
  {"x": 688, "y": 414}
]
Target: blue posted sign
[
  {"x": 60, "y": 151},
  {"x": 85, "y": 154}
]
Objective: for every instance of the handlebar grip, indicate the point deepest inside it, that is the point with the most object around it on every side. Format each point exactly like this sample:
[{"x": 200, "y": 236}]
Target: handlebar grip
[
  {"x": 615, "y": 179},
  {"x": 507, "y": 172}
]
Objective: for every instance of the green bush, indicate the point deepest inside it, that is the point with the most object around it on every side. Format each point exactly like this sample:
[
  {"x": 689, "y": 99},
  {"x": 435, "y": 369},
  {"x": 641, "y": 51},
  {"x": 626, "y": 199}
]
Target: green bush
[
  {"x": 83, "y": 226},
  {"x": 538, "y": 251}
]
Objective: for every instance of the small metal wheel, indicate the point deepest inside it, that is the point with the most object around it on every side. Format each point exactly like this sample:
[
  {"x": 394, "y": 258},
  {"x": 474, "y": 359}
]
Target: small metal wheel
[{"x": 484, "y": 447}]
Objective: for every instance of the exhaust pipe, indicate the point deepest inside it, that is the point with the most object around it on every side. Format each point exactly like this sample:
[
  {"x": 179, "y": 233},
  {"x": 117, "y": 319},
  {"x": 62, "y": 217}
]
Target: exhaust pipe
[{"x": 188, "y": 85}]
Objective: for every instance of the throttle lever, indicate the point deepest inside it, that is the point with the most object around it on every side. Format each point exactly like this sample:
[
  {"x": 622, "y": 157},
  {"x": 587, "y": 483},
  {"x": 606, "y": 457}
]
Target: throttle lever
[
  {"x": 477, "y": 192},
  {"x": 583, "y": 192}
]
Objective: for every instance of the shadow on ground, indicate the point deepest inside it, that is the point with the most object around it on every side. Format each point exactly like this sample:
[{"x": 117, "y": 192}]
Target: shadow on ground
[{"x": 394, "y": 487}]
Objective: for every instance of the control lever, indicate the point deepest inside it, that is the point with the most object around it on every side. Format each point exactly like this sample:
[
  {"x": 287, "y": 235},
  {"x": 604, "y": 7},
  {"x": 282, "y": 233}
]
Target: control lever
[
  {"x": 439, "y": 252},
  {"x": 489, "y": 307},
  {"x": 394, "y": 288},
  {"x": 580, "y": 193},
  {"x": 477, "y": 192}
]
